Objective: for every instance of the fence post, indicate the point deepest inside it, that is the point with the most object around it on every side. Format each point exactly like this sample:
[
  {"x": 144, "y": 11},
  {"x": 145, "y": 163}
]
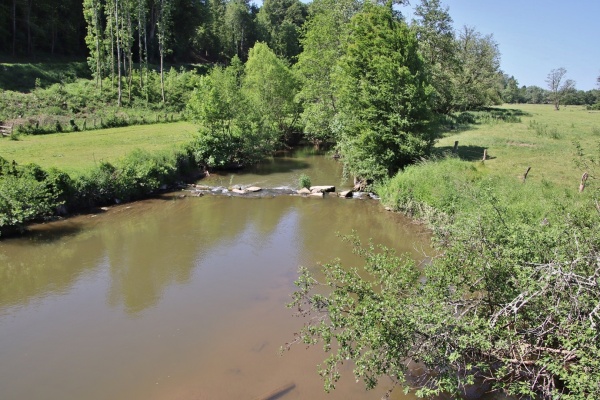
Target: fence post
[{"x": 583, "y": 181}]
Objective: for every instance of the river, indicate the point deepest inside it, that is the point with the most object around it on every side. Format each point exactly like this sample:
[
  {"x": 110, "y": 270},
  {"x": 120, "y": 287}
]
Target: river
[{"x": 182, "y": 297}]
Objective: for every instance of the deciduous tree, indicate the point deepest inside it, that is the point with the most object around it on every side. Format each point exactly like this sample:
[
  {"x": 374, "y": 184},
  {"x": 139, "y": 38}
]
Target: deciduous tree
[
  {"x": 384, "y": 96},
  {"x": 558, "y": 85},
  {"x": 325, "y": 33},
  {"x": 478, "y": 81},
  {"x": 438, "y": 46}
]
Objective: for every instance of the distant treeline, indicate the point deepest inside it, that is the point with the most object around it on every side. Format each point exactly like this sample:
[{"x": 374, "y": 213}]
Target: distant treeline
[{"x": 513, "y": 94}]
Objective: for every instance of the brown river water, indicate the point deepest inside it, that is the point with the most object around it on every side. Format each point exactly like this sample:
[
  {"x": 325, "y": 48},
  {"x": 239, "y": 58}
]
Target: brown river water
[{"x": 182, "y": 298}]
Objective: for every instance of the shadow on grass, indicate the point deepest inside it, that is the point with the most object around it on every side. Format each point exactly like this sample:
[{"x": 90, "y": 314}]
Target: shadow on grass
[
  {"x": 466, "y": 120},
  {"x": 23, "y": 77},
  {"x": 467, "y": 153}
]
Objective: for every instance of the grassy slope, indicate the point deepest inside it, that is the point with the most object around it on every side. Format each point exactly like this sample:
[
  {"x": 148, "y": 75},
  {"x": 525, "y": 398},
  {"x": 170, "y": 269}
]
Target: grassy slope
[
  {"x": 76, "y": 152},
  {"x": 22, "y": 77},
  {"x": 548, "y": 150}
]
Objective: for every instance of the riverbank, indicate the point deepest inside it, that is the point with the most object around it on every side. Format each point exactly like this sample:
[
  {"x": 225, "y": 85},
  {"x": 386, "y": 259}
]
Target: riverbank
[{"x": 508, "y": 297}]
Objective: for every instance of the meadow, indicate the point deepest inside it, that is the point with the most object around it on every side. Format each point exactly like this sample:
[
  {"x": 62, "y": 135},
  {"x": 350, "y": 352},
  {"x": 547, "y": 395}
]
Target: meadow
[
  {"x": 78, "y": 152},
  {"x": 538, "y": 137}
]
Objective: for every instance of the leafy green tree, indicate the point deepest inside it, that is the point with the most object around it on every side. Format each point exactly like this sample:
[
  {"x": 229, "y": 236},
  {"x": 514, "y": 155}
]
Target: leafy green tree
[
  {"x": 511, "y": 93},
  {"x": 92, "y": 10},
  {"x": 164, "y": 24},
  {"x": 384, "y": 96},
  {"x": 438, "y": 46},
  {"x": 240, "y": 28},
  {"x": 558, "y": 86},
  {"x": 325, "y": 33},
  {"x": 478, "y": 82},
  {"x": 271, "y": 87},
  {"x": 535, "y": 95},
  {"x": 232, "y": 132},
  {"x": 279, "y": 23}
]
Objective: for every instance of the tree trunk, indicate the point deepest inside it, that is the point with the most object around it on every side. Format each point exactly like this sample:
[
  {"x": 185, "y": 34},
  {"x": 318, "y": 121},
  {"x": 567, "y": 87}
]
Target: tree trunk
[
  {"x": 162, "y": 74},
  {"x": 14, "y": 44},
  {"x": 120, "y": 94},
  {"x": 140, "y": 43},
  {"x": 98, "y": 49},
  {"x": 28, "y": 23}
]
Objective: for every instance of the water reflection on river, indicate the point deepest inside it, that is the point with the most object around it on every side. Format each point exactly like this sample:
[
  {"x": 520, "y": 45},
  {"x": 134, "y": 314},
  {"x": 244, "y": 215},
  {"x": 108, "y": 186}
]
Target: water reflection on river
[{"x": 179, "y": 298}]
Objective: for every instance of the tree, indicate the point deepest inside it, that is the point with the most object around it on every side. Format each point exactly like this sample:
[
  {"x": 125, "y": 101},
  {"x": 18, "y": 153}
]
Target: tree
[
  {"x": 478, "y": 81},
  {"x": 164, "y": 23},
  {"x": 558, "y": 86},
  {"x": 279, "y": 23},
  {"x": 384, "y": 96},
  {"x": 325, "y": 33},
  {"x": 92, "y": 10},
  {"x": 239, "y": 28},
  {"x": 535, "y": 95},
  {"x": 244, "y": 111},
  {"x": 438, "y": 46},
  {"x": 511, "y": 93},
  {"x": 270, "y": 87}
]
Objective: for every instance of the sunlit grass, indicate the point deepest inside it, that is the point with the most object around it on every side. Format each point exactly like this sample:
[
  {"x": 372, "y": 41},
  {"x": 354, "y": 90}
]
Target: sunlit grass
[
  {"x": 76, "y": 152},
  {"x": 543, "y": 140}
]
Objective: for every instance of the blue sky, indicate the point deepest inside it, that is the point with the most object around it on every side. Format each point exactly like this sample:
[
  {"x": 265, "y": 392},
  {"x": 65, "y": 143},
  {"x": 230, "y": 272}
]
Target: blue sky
[{"x": 535, "y": 36}]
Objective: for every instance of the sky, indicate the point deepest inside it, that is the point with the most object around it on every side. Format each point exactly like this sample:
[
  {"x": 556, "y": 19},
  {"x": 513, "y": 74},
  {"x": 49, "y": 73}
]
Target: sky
[{"x": 534, "y": 36}]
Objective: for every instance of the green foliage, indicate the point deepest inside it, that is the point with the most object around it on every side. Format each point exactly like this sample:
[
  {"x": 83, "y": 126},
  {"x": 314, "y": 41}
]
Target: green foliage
[
  {"x": 512, "y": 298},
  {"x": 439, "y": 49},
  {"x": 384, "y": 96},
  {"x": 270, "y": 88},
  {"x": 279, "y": 23},
  {"x": 478, "y": 82},
  {"x": 325, "y": 31},
  {"x": 27, "y": 193},
  {"x": 244, "y": 111},
  {"x": 304, "y": 181}
]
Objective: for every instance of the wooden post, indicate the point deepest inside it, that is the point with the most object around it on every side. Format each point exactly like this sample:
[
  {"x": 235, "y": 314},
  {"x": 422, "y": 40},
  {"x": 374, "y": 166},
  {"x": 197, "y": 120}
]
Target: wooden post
[
  {"x": 484, "y": 154},
  {"x": 455, "y": 149},
  {"x": 526, "y": 173},
  {"x": 583, "y": 180}
]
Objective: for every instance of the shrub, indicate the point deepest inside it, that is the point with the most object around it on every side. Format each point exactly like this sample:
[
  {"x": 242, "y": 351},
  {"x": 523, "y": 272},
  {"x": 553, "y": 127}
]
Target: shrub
[{"x": 304, "y": 181}]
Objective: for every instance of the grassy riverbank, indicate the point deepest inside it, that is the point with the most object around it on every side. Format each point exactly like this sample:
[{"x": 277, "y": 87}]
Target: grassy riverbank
[
  {"x": 47, "y": 175},
  {"x": 535, "y": 136},
  {"x": 513, "y": 296}
]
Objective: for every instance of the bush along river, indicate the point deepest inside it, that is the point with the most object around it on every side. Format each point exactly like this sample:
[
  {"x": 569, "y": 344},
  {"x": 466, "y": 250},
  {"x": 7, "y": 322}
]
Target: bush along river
[{"x": 183, "y": 296}]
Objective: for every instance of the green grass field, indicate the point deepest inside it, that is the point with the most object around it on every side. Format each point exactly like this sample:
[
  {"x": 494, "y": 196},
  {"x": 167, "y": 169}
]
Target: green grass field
[
  {"x": 76, "y": 152},
  {"x": 543, "y": 140}
]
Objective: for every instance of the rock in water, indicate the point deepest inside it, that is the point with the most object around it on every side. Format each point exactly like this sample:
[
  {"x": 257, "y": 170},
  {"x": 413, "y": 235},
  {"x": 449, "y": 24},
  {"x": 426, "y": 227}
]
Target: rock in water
[{"x": 322, "y": 189}]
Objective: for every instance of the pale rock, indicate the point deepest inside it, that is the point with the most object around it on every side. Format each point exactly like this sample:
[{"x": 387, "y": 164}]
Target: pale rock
[{"x": 322, "y": 189}]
